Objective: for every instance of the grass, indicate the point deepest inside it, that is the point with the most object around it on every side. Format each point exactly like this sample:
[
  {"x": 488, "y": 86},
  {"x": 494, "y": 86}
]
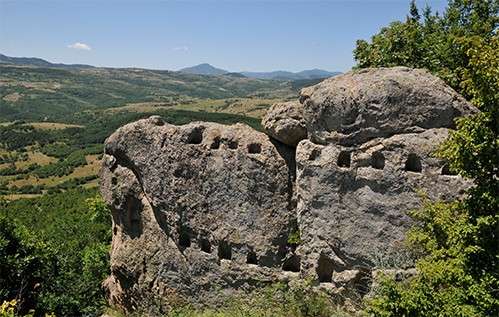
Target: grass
[
  {"x": 92, "y": 184},
  {"x": 251, "y": 107},
  {"x": 52, "y": 125},
  {"x": 301, "y": 299},
  {"x": 35, "y": 157},
  {"x": 13, "y": 97},
  {"x": 11, "y": 197},
  {"x": 91, "y": 168}
]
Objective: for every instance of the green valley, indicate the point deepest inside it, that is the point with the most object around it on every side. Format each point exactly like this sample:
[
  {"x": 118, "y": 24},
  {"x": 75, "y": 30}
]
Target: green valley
[{"x": 53, "y": 121}]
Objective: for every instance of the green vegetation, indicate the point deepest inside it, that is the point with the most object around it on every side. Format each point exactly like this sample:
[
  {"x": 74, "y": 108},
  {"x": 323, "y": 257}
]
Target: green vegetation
[
  {"x": 23, "y": 264},
  {"x": 54, "y": 253},
  {"x": 70, "y": 147},
  {"x": 278, "y": 300},
  {"x": 439, "y": 43},
  {"x": 458, "y": 266},
  {"x": 48, "y": 94},
  {"x": 54, "y": 248},
  {"x": 55, "y": 120}
]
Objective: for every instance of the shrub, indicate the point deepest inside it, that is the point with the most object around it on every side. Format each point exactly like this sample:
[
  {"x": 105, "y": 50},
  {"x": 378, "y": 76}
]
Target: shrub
[
  {"x": 24, "y": 263},
  {"x": 66, "y": 257},
  {"x": 457, "y": 243}
]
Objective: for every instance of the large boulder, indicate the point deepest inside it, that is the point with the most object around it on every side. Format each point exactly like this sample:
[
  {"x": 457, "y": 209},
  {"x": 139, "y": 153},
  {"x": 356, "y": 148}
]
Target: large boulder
[
  {"x": 353, "y": 202},
  {"x": 360, "y": 105},
  {"x": 284, "y": 122},
  {"x": 197, "y": 209},
  {"x": 370, "y": 160}
]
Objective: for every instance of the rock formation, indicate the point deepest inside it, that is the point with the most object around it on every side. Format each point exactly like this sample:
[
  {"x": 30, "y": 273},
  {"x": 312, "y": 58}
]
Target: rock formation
[
  {"x": 196, "y": 209},
  {"x": 284, "y": 122},
  {"x": 358, "y": 106},
  {"x": 203, "y": 211}
]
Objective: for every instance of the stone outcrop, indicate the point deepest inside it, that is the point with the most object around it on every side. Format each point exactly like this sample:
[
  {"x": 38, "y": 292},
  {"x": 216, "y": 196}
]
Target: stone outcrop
[
  {"x": 360, "y": 105},
  {"x": 284, "y": 122},
  {"x": 353, "y": 201},
  {"x": 204, "y": 211},
  {"x": 196, "y": 209}
]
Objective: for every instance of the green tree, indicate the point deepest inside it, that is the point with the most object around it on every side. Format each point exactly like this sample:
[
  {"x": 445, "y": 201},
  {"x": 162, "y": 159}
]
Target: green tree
[
  {"x": 436, "y": 43},
  {"x": 413, "y": 11},
  {"x": 24, "y": 262},
  {"x": 458, "y": 269},
  {"x": 54, "y": 253}
]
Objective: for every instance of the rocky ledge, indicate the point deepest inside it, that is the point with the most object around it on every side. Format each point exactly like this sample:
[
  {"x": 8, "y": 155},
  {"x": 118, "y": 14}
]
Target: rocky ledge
[{"x": 205, "y": 211}]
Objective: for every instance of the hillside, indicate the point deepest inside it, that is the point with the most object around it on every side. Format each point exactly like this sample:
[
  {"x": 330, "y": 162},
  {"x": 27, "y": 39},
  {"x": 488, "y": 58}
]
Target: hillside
[
  {"x": 35, "y": 61},
  {"x": 53, "y": 120},
  {"x": 50, "y": 94},
  {"x": 284, "y": 75}
]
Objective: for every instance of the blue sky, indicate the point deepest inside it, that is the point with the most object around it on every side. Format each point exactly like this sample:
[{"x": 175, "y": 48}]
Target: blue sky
[{"x": 234, "y": 35}]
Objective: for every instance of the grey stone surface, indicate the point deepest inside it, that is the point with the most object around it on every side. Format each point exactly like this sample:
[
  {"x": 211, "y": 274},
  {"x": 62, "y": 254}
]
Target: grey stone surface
[
  {"x": 198, "y": 210},
  {"x": 352, "y": 202},
  {"x": 284, "y": 122},
  {"x": 379, "y": 102}
]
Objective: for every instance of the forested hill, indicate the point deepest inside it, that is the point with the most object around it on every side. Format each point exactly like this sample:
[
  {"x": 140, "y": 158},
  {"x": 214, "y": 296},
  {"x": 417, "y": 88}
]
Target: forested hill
[
  {"x": 55, "y": 94},
  {"x": 54, "y": 120}
]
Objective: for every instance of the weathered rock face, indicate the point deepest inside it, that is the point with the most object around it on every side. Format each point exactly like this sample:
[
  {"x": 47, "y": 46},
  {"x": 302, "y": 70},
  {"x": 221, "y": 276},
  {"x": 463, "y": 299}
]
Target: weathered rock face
[
  {"x": 204, "y": 210},
  {"x": 284, "y": 122},
  {"x": 195, "y": 208},
  {"x": 380, "y": 102},
  {"x": 353, "y": 201}
]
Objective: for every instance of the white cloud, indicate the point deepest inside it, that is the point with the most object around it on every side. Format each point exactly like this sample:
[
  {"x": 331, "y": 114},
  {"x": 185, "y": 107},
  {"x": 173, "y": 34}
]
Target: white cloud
[
  {"x": 181, "y": 48},
  {"x": 80, "y": 46}
]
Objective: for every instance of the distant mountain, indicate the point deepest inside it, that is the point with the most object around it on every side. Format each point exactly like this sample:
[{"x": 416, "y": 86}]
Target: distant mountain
[
  {"x": 316, "y": 73},
  {"x": 33, "y": 61},
  {"x": 201, "y": 69},
  {"x": 204, "y": 69},
  {"x": 284, "y": 75},
  {"x": 207, "y": 69}
]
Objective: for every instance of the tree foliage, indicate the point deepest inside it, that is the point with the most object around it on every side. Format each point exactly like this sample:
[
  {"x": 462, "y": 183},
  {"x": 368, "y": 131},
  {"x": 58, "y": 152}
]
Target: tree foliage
[
  {"x": 23, "y": 264},
  {"x": 437, "y": 43},
  {"x": 458, "y": 269},
  {"x": 54, "y": 253}
]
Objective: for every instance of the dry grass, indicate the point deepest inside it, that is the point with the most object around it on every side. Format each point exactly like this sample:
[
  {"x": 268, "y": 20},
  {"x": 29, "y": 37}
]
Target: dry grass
[
  {"x": 252, "y": 107},
  {"x": 92, "y": 184},
  {"x": 140, "y": 107},
  {"x": 20, "y": 196},
  {"x": 92, "y": 168},
  {"x": 13, "y": 97},
  {"x": 35, "y": 157},
  {"x": 52, "y": 125},
  {"x": 45, "y": 126}
]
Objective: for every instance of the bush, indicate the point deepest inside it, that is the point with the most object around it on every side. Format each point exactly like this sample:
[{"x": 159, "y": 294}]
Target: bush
[
  {"x": 457, "y": 243},
  {"x": 71, "y": 234},
  {"x": 24, "y": 263}
]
